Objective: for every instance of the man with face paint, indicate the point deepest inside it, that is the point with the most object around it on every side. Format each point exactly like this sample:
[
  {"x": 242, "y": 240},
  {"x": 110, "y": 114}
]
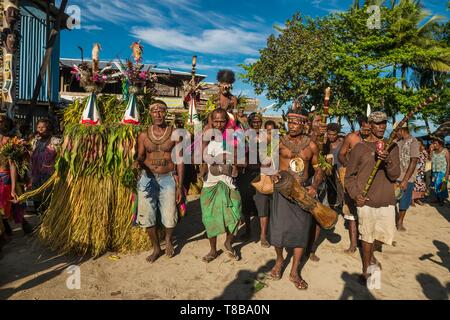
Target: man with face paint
[
  {"x": 349, "y": 208},
  {"x": 159, "y": 187},
  {"x": 376, "y": 211},
  {"x": 290, "y": 225}
]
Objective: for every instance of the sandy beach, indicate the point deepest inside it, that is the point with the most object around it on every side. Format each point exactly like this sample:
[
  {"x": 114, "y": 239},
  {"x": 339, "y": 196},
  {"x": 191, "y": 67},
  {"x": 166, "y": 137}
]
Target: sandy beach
[{"x": 417, "y": 267}]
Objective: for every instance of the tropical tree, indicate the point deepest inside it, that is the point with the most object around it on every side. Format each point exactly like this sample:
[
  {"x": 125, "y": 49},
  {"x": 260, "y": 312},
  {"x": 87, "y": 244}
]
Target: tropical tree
[{"x": 361, "y": 64}]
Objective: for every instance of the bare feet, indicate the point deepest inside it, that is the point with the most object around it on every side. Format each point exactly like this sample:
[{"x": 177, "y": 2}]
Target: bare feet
[
  {"x": 264, "y": 243},
  {"x": 401, "y": 228},
  {"x": 170, "y": 252},
  {"x": 154, "y": 256},
  {"x": 314, "y": 258},
  {"x": 275, "y": 273},
  {"x": 419, "y": 202},
  {"x": 212, "y": 255},
  {"x": 299, "y": 283}
]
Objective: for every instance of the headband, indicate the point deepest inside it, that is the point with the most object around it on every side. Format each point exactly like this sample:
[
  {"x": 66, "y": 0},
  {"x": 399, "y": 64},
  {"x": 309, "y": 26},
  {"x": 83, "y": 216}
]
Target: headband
[
  {"x": 296, "y": 115},
  {"x": 156, "y": 105}
]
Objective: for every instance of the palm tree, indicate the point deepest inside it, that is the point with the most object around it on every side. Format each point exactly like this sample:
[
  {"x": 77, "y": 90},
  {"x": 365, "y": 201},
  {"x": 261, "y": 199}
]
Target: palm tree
[{"x": 412, "y": 27}]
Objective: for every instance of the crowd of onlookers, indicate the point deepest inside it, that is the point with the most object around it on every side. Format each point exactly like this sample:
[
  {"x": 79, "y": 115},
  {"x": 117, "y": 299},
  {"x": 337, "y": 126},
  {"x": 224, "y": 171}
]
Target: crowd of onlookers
[
  {"x": 39, "y": 156},
  {"x": 432, "y": 172}
]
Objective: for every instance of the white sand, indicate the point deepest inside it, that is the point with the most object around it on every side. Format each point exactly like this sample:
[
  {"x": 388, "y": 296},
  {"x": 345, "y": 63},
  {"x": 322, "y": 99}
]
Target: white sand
[{"x": 29, "y": 271}]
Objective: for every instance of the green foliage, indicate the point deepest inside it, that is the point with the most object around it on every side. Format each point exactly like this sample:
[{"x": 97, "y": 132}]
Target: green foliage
[{"x": 392, "y": 68}]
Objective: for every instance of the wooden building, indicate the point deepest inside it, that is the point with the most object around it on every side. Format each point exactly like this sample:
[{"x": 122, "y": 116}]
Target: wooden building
[
  {"x": 169, "y": 86},
  {"x": 26, "y": 27}
]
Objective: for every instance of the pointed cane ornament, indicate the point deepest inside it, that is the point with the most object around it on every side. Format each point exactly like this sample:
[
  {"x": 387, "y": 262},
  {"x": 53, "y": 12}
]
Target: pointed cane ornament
[
  {"x": 193, "y": 116},
  {"x": 131, "y": 115},
  {"x": 91, "y": 115}
]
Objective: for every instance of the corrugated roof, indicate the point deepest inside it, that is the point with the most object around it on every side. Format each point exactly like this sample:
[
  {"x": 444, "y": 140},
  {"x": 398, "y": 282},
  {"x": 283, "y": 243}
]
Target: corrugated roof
[{"x": 103, "y": 63}]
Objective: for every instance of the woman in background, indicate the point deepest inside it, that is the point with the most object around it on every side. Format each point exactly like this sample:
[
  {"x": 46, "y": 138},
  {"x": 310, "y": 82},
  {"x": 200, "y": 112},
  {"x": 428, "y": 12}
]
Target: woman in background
[
  {"x": 44, "y": 150},
  {"x": 440, "y": 162},
  {"x": 420, "y": 186}
]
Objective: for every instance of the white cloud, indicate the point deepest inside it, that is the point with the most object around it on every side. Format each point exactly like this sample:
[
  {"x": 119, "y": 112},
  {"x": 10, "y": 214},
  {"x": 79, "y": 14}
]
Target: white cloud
[
  {"x": 91, "y": 27},
  {"x": 259, "y": 19},
  {"x": 212, "y": 41},
  {"x": 180, "y": 25},
  {"x": 332, "y": 6},
  {"x": 250, "y": 60},
  {"x": 118, "y": 12},
  {"x": 184, "y": 65}
]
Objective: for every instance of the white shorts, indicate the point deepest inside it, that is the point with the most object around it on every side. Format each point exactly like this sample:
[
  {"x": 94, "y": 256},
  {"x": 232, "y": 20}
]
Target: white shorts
[{"x": 377, "y": 224}]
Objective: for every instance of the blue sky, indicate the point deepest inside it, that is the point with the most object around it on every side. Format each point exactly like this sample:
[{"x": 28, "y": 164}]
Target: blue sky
[{"x": 222, "y": 33}]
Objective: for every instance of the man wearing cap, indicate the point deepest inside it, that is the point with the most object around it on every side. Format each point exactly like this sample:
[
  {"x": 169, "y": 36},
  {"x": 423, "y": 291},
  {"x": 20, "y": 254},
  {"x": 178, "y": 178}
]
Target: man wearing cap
[
  {"x": 290, "y": 225},
  {"x": 409, "y": 150},
  {"x": 349, "y": 208},
  {"x": 159, "y": 187},
  {"x": 376, "y": 211}
]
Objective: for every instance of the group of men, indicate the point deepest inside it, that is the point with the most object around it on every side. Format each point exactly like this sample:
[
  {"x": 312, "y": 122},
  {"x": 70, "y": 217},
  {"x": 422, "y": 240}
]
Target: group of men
[{"x": 228, "y": 197}]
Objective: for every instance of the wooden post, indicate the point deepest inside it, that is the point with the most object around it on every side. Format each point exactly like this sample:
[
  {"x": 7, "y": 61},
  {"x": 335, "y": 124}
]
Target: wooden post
[
  {"x": 48, "y": 52},
  {"x": 9, "y": 22}
]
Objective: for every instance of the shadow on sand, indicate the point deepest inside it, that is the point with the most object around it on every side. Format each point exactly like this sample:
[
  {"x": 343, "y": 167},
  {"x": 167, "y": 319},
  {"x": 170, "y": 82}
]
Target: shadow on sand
[
  {"x": 353, "y": 289},
  {"x": 246, "y": 284},
  {"x": 432, "y": 287},
  {"x": 25, "y": 257}
]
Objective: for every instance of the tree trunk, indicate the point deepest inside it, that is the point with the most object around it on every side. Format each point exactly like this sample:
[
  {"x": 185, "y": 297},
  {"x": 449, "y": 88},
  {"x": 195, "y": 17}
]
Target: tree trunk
[
  {"x": 404, "y": 82},
  {"x": 392, "y": 4},
  {"x": 352, "y": 126},
  {"x": 393, "y": 119},
  {"x": 427, "y": 124},
  {"x": 394, "y": 72}
]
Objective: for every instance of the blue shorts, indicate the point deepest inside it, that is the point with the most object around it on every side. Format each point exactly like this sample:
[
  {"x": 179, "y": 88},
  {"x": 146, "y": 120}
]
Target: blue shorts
[
  {"x": 405, "y": 200},
  {"x": 157, "y": 194}
]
